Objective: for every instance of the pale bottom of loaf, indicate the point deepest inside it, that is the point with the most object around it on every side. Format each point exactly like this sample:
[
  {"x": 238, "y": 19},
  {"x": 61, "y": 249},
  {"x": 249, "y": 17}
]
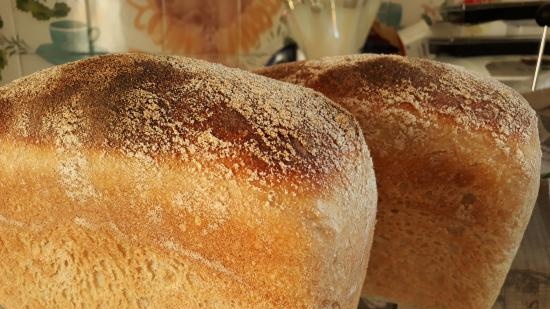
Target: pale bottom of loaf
[
  {"x": 75, "y": 267},
  {"x": 440, "y": 260},
  {"x": 459, "y": 260},
  {"x": 134, "y": 244}
]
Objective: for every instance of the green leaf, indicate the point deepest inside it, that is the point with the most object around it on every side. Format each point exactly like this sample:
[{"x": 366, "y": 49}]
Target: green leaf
[
  {"x": 60, "y": 9},
  {"x": 41, "y": 11},
  {"x": 24, "y": 5},
  {"x": 13, "y": 45},
  {"x": 3, "y": 62}
]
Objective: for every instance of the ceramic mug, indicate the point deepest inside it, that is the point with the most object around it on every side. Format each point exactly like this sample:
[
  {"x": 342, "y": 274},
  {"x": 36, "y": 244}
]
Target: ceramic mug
[
  {"x": 330, "y": 27},
  {"x": 72, "y": 36}
]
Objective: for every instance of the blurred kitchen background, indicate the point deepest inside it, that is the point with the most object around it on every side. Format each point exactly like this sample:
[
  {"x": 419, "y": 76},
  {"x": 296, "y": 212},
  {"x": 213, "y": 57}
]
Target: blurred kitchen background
[
  {"x": 493, "y": 38},
  {"x": 35, "y": 34}
]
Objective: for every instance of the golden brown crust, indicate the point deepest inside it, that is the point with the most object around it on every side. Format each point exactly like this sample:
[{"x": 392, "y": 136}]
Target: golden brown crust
[
  {"x": 171, "y": 105},
  {"x": 168, "y": 169},
  {"x": 457, "y": 161},
  {"x": 426, "y": 86}
]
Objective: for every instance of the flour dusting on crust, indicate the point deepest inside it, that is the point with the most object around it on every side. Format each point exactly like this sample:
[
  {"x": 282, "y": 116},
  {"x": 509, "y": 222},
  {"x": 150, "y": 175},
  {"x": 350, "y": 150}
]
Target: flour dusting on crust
[{"x": 157, "y": 109}]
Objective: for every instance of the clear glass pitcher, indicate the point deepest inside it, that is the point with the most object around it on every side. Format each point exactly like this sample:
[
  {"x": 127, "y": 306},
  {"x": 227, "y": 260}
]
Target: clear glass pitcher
[{"x": 330, "y": 27}]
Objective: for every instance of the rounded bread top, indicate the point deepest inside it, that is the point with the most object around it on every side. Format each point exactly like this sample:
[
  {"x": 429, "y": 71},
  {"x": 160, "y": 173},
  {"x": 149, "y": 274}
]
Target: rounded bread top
[
  {"x": 427, "y": 88},
  {"x": 173, "y": 109}
]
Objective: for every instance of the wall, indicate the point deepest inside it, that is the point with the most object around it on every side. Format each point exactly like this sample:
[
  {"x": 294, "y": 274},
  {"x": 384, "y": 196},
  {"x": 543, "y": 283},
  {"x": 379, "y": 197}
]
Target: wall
[{"x": 35, "y": 34}]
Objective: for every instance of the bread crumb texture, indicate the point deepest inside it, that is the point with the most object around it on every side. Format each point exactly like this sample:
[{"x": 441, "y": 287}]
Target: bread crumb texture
[{"x": 140, "y": 181}]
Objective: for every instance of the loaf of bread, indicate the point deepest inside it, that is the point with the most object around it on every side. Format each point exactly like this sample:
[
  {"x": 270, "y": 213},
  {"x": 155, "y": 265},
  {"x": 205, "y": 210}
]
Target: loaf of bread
[
  {"x": 457, "y": 161},
  {"x": 138, "y": 181}
]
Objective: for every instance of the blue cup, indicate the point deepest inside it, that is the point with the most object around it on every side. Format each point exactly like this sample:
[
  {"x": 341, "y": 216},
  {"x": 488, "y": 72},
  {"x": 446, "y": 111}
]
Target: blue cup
[{"x": 72, "y": 36}]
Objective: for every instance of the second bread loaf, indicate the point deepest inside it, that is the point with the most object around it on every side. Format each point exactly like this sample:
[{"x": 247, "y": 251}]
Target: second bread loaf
[{"x": 457, "y": 161}]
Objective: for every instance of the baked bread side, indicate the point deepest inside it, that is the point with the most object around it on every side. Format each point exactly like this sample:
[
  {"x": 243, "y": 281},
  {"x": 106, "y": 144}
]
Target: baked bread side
[
  {"x": 138, "y": 181},
  {"x": 457, "y": 161}
]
